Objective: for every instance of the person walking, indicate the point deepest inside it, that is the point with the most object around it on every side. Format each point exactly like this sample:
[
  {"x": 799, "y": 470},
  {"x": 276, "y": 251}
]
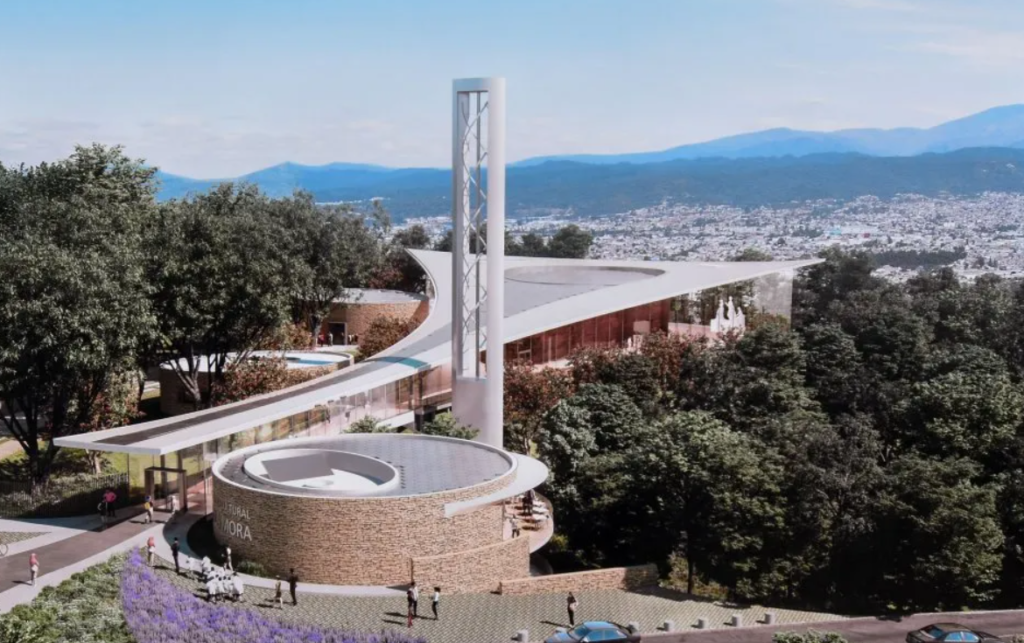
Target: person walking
[
  {"x": 148, "y": 506},
  {"x": 293, "y": 584},
  {"x": 175, "y": 548},
  {"x": 277, "y": 594},
  {"x": 109, "y": 498},
  {"x": 33, "y": 568},
  {"x": 414, "y": 599},
  {"x": 175, "y": 507},
  {"x": 515, "y": 526},
  {"x": 571, "y": 604},
  {"x": 150, "y": 550},
  {"x": 435, "y": 601},
  {"x": 227, "y": 559}
]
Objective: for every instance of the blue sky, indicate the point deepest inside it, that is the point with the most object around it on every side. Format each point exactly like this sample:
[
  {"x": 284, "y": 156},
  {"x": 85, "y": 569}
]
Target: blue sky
[{"x": 217, "y": 89}]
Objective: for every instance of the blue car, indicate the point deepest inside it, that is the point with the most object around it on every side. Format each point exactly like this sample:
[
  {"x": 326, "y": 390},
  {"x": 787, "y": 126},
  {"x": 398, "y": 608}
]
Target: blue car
[{"x": 594, "y": 631}]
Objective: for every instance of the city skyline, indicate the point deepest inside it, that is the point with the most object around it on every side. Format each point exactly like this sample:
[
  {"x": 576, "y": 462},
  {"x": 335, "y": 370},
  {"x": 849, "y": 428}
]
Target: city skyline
[{"x": 219, "y": 91}]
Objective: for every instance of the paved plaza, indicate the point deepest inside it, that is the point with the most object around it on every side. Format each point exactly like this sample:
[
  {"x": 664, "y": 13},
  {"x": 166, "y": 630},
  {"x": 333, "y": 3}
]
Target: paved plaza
[
  {"x": 11, "y": 537},
  {"x": 491, "y": 618}
]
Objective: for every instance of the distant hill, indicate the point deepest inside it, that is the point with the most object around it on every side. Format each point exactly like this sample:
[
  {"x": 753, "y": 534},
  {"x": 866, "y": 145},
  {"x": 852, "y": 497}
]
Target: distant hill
[
  {"x": 997, "y": 127},
  {"x": 282, "y": 179},
  {"x": 593, "y": 190}
]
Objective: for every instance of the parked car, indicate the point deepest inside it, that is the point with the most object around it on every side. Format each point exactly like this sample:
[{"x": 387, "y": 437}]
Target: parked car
[
  {"x": 950, "y": 633},
  {"x": 594, "y": 631}
]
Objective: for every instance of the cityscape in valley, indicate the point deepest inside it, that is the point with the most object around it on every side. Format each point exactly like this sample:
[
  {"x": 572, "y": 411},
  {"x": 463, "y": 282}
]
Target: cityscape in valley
[
  {"x": 972, "y": 234},
  {"x": 573, "y": 322}
]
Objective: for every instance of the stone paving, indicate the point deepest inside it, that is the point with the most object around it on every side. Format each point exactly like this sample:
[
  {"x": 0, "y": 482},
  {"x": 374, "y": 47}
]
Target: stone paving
[
  {"x": 11, "y": 537},
  {"x": 490, "y": 618}
]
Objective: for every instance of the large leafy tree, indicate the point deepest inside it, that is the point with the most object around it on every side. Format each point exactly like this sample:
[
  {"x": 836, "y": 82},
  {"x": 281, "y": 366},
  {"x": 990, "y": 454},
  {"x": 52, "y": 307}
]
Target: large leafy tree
[
  {"x": 222, "y": 277},
  {"x": 529, "y": 393},
  {"x": 330, "y": 250},
  {"x": 73, "y": 305}
]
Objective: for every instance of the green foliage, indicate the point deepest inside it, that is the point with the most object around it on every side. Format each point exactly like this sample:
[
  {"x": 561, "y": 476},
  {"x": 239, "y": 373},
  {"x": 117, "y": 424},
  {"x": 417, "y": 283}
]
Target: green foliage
[
  {"x": 252, "y": 568},
  {"x": 869, "y": 454},
  {"x": 445, "y": 425},
  {"x": 73, "y": 305},
  {"x": 810, "y": 636},
  {"x": 86, "y": 607},
  {"x": 370, "y": 424}
]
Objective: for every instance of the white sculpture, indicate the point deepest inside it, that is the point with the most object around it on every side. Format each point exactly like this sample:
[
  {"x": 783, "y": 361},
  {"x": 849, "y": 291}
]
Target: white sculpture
[{"x": 725, "y": 322}]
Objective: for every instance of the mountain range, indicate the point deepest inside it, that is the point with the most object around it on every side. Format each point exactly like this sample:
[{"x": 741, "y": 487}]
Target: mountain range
[{"x": 969, "y": 155}]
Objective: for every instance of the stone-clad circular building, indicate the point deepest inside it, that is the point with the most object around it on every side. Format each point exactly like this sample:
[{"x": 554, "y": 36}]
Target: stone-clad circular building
[{"x": 376, "y": 509}]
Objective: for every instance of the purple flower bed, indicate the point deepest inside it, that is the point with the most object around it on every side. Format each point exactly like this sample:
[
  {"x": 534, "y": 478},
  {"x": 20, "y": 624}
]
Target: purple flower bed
[{"x": 157, "y": 611}]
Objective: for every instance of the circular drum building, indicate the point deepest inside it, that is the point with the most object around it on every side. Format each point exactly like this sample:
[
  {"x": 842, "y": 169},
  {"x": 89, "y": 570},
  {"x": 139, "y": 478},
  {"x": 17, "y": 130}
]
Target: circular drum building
[{"x": 376, "y": 509}]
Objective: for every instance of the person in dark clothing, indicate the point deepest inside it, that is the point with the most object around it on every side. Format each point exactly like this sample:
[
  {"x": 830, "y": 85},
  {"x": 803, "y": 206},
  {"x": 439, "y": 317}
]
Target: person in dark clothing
[
  {"x": 293, "y": 583},
  {"x": 175, "y": 548},
  {"x": 413, "y": 596},
  {"x": 571, "y": 604}
]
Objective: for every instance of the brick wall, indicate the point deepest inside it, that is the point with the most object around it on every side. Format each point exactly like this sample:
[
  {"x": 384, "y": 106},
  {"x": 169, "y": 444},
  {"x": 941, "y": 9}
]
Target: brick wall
[
  {"x": 358, "y": 317},
  {"x": 351, "y": 541},
  {"x": 612, "y": 578},
  {"x": 475, "y": 570}
]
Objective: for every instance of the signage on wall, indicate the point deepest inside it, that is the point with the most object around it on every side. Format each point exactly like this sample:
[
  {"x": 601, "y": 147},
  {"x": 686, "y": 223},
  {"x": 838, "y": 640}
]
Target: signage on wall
[{"x": 235, "y": 522}]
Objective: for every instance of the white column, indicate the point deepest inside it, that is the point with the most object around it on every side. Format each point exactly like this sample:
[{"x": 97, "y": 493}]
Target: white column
[
  {"x": 478, "y": 311},
  {"x": 494, "y": 428}
]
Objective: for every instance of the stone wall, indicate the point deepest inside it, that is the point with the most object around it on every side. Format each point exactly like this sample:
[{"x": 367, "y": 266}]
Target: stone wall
[
  {"x": 351, "y": 541},
  {"x": 475, "y": 570},
  {"x": 358, "y": 317},
  {"x": 612, "y": 578}
]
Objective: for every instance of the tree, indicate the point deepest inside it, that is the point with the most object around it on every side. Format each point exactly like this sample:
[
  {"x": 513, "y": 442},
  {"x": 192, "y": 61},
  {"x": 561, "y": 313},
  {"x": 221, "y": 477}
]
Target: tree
[
  {"x": 384, "y": 332},
  {"x": 532, "y": 244},
  {"x": 530, "y": 393},
  {"x": 73, "y": 307},
  {"x": 222, "y": 280},
  {"x": 445, "y": 425},
  {"x": 939, "y": 543},
  {"x": 751, "y": 254},
  {"x": 330, "y": 250},
  {"x": 570, "y": 242},
  {"x": 399, "y": 271},
  {"x": 719, "y": 498},
  {"x": 965, "y": 404}
]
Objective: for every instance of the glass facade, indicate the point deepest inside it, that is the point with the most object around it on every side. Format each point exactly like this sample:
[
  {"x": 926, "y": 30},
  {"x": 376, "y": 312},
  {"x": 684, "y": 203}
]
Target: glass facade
[{"x": 611, "y": 330}]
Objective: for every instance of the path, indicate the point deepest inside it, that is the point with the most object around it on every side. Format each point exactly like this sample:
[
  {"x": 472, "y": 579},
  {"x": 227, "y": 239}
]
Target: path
[
  {"x": 859, "y": 630},
  {"x": 489, "y": 618},
  {"x": 59, "y": 560}
]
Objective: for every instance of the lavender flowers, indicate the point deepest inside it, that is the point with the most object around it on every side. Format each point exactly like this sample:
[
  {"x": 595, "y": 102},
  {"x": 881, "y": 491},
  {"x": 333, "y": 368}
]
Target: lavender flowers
[{"x": 157, "y": 611}]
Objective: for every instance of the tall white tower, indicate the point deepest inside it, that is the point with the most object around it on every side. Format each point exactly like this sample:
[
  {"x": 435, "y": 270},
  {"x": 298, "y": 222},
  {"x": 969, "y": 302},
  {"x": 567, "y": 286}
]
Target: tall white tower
[{"x": 478, "y": 210}]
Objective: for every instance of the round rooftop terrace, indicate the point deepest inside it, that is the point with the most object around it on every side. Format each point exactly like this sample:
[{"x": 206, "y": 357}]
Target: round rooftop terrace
[
  {"x": 580, "y": 275},
  {"x": 364, "y": 465}
]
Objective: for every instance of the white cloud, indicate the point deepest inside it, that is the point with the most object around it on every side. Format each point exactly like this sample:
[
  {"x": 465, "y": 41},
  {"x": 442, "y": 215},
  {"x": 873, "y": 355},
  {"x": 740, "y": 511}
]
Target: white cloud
[
  {"x": 902, "y": 6},
  {"x": 987, "y": 48}
]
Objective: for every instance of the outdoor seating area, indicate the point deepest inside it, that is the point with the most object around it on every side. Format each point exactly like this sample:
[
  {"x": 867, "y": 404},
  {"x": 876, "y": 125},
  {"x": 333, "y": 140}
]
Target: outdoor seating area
[{"x": 530, "y": 511}]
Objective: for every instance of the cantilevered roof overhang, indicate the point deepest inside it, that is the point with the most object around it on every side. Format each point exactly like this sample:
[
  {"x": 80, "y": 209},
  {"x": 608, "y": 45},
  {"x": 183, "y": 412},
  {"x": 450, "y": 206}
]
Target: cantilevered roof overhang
[{"x": 540, "y": 295}]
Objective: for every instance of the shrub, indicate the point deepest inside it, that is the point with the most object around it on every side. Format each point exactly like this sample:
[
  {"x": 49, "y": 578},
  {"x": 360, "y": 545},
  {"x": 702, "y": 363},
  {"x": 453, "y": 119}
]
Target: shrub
[
  {"x": 83, "y": 608},
  {"x": 370, "y": 424},
  {"x": 810, "y": 636},
  {"x": 384, "y": 332},
  {"x": 252, "y": 568},
  {"x": 159, "y": 612}
]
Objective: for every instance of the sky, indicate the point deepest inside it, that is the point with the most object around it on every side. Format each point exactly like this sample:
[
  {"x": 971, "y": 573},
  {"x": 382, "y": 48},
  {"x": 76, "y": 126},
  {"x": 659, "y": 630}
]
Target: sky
[{"x": 218, "y": 89}]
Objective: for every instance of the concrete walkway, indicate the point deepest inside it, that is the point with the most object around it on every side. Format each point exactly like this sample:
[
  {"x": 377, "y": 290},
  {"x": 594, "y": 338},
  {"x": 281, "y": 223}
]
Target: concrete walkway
[{"x": 68, "y": 555}]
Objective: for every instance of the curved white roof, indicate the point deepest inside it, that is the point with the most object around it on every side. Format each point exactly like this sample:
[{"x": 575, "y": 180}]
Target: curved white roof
[{"x": 540, "y": 294}]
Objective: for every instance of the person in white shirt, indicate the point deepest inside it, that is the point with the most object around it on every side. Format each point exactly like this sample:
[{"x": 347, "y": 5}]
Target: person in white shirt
[{"x": 435, "y": 601}]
